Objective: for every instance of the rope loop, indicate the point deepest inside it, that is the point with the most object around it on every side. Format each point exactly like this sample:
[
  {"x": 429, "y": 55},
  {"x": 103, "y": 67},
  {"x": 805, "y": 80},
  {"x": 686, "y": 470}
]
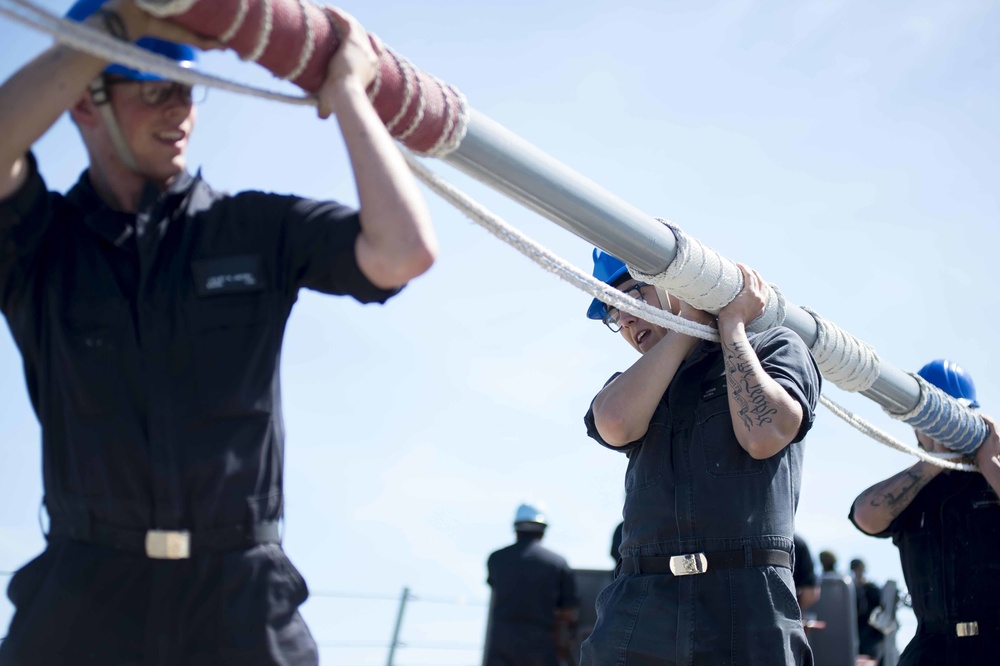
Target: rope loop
[
  {"x": 705, "y": 279},
  {"x": 848, "y": 362},
  {"x": 944, "y": 419}
]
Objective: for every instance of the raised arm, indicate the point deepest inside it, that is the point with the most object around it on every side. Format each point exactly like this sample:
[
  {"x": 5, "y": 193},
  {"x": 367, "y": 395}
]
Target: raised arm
[
  {"x": 765, "y": 417},
  {"x": 397, "y": 242},
  {"x": 622, "y": 410},
  {"x": 988, "y": 456},
  {"x": 32, "y": 100},
  {"x": 876, "y": 508}
]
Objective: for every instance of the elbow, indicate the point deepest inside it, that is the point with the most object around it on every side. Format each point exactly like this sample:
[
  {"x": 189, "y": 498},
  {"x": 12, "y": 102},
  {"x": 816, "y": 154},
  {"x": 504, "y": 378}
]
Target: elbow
[
  {"x": 865, "y": 520},
  {"x": 614, "y": 429},
  {"x": 763, "y": 446},
  {"x": 417, "y": 261},
  {"x": 393, "y": 270}
]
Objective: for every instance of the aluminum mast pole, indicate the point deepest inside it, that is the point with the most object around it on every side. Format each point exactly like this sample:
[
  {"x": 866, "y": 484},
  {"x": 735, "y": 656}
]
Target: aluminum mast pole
[{"x": 503, "y": 161}]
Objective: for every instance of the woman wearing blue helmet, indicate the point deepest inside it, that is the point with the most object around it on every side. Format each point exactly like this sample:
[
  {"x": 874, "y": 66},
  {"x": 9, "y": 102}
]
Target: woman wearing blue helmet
[
  {"x": 149, "y": 311},
  {"x": 946, "y": 525}
]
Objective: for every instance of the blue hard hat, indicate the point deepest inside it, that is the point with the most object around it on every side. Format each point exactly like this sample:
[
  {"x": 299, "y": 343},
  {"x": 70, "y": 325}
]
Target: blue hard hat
[
  {"x": 952, "y": 379},
  {"x": 183, "y": 54},
  {"x": 609, "y": 270},
  {"x": 529, "y": 518}
]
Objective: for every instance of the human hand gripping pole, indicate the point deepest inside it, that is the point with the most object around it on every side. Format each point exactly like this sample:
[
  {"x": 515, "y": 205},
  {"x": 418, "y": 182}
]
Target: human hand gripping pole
[{"x": 295, "y": 39}]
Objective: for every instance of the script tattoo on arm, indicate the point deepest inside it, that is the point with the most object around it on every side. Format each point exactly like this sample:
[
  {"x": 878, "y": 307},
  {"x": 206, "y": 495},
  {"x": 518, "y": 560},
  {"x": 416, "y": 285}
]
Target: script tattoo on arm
[
  {"x": 898, "y": 494},
  {"x": 755, "y": 409}
]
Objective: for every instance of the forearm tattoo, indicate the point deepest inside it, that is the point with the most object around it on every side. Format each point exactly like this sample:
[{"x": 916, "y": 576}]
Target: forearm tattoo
[
  {"x": 755, "y": 410},
  {"x": 898, "y": 495}
]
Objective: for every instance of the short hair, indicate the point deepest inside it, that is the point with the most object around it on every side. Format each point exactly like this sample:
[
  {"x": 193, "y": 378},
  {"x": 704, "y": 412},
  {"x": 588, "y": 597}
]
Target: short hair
[{"x": 828, "y": 560}]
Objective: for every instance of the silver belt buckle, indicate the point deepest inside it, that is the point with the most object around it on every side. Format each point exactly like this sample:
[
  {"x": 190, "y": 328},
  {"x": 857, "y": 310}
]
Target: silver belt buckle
[
  {"x": 687, "y": 565},
  {"x": 168, "y": 545},
  {"x": 965, "y": 629}
]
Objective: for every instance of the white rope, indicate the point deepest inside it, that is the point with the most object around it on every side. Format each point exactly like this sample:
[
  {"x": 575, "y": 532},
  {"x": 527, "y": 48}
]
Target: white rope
[
  {"x": 848, "y": 362},
  {"x": 404, "y": 70},
  {"x": 456, "y": 127},
  {"x": 164, "y": 8},
  {"x": 943, "y": 418},
  {"x": 552, "y": 263},
  {"x": 421, "y": 105},
  {"x": 82, "y": 37},
  {"x": 885, "y": 438},
  {"x": 264, "y": 34},
  {"x": 307, "y": 48},
  {"x": 234, "y": 27},
  {"x": 705, "y": 279}
]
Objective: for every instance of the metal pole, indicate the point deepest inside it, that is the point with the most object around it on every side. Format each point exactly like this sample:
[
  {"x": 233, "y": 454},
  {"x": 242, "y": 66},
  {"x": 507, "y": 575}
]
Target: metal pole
[
  {"x": 399, "y": 624},
  {"x": 500, "y": 159}
]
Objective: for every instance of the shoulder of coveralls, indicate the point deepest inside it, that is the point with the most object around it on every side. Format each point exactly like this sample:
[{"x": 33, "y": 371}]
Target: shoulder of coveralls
[
  {"x": 787, "y": 360},
  {"x": 25, "y": 218},
  {"x": 588, "y": 421},
  {"x": 26, "y": 198}
]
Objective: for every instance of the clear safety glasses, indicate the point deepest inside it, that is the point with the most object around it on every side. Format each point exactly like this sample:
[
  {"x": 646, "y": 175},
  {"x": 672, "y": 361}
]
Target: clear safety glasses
[
  {"x": 158, "y": 93},
  {"x": 613, "y": 316}
]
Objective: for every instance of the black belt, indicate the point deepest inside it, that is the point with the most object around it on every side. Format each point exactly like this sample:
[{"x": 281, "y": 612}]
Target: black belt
[
  {"x": 962, "y": 629},
  {"x": 168, "y": 544},
  {"x": 699, "y": 563}
]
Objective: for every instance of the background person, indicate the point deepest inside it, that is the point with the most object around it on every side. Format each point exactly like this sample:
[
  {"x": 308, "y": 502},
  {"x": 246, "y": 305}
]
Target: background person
[{"x": 534, "y": 601}]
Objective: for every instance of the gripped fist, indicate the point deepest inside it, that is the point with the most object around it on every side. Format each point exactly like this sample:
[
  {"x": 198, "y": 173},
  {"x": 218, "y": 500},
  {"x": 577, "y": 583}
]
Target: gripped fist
[
  {"x": 139, "y": 23},
  {"x": 750, "y": 302},
  {"x": 355, "y": 60}
]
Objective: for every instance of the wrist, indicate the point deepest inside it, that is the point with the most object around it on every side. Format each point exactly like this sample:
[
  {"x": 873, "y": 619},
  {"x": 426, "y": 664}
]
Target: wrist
[{"x": 730, "y": 324}]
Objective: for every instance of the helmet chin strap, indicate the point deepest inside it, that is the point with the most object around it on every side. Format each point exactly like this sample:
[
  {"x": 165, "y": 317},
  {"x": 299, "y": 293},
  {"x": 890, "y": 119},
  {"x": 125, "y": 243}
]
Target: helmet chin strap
[{"x": 102, "y": 100}]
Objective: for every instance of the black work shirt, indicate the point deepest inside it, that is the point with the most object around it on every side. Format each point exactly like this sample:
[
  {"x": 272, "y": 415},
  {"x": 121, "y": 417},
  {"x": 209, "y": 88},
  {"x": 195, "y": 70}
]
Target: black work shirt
[
  {"x": 689, "y": 485},
  {"x": 151, "y": 343},
  {"x": 529, "y": 584},
  {"x": 948, "y": 540}
]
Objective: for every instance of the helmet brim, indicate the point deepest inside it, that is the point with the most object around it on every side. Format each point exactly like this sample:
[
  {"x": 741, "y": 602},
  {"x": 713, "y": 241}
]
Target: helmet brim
[{"x": 597, "y": 308}]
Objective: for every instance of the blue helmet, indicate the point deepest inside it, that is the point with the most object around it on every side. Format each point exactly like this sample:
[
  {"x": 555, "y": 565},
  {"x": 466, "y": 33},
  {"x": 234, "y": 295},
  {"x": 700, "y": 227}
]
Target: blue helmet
[
  {"x": 609, "y": 270},
  {"x": 529, "y": 518},
  {"x": 952, "y": 379},
  {"x": 183, "y": 54}
]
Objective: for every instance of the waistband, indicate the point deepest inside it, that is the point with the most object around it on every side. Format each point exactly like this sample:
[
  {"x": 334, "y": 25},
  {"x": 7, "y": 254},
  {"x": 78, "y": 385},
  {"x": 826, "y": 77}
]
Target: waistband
[
  {"x": 699, "y": 563},
  {"x": 167, "y": 544},
  {"x": 966, "y": 629}
]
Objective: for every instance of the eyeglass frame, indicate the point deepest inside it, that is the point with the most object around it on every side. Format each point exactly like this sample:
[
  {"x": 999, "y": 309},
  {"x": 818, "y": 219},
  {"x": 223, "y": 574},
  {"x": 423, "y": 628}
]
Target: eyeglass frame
[
  {"x": 612, "y": 315},
  {"x": 189, "y": 95}
]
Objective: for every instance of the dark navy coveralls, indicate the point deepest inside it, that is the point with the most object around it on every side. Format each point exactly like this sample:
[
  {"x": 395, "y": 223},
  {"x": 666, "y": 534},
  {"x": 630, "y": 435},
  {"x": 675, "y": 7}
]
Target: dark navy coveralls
[
  {"x": 949, "y": 547},
  {"x": 529, "y": 584},
  {"x": 151, "y": 348},
  {"x": 691, "y": 488}
]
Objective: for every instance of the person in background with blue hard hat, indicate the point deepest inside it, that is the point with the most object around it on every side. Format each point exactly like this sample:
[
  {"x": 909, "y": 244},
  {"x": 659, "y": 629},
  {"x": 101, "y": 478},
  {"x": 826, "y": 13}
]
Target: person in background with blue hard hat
[
  {"x": 714, "y": 437},
  {"x": 946, "y": 525},
  {"x": 149, "y": 311},
  {"x": 534, "y": 606}
]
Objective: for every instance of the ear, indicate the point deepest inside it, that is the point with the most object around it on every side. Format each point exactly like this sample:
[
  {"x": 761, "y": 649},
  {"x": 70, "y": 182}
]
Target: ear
[{"x": 84, "y": 113}]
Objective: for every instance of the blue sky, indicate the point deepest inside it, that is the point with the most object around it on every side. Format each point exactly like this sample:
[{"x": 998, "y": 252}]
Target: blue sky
[{"x": 845, "y": 149}]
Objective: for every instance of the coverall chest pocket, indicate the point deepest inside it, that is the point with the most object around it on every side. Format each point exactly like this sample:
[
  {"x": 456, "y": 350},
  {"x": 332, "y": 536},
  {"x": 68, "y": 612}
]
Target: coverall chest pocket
[
  {"x": 646, "y": 461},
  {"x": 88, "y": 342},
  {"x": 235, "y": 352},
  {"x": 724, "y": 457}
]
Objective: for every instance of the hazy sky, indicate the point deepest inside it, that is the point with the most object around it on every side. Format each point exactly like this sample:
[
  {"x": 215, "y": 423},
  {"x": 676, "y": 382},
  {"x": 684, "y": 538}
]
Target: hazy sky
[{"x": 846, "y": 149}]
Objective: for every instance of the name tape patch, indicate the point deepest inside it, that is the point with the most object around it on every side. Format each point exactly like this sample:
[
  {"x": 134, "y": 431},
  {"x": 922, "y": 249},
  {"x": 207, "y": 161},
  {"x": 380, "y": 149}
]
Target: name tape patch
[{"x": 228, "y": 275}]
